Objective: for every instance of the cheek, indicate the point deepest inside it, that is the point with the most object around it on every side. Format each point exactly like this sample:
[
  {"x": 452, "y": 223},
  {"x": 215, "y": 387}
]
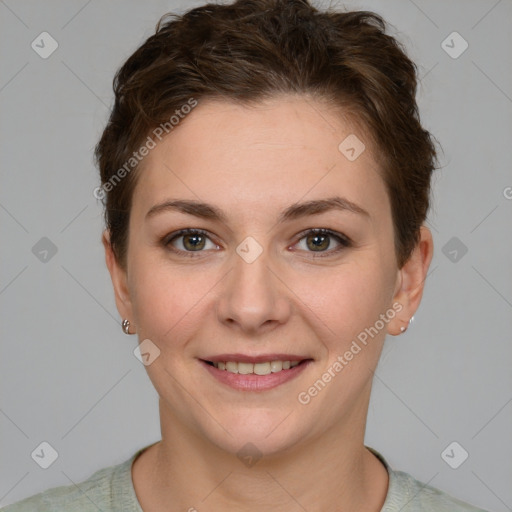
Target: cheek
[
  {"x": 166, "y": 300},
  {"x": 345, "y": 300}
]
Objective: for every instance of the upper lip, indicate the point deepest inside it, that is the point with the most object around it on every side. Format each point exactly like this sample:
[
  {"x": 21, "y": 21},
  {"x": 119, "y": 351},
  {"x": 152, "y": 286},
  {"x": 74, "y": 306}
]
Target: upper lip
[{"x": 262, "y": 358}]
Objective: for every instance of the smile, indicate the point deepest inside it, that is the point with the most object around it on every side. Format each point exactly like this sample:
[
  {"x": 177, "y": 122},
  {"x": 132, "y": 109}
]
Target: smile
[{"x": 258, "y": 376}]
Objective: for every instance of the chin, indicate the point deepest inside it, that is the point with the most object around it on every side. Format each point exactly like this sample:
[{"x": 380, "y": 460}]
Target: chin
[{"x": 256, "y": 433}]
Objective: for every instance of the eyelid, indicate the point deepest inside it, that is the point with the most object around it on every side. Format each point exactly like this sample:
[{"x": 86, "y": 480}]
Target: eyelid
[{"x": 324, "y": 231}]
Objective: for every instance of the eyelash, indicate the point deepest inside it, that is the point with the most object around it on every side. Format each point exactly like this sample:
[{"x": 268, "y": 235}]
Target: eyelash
[{"x": 344, "y": 241}]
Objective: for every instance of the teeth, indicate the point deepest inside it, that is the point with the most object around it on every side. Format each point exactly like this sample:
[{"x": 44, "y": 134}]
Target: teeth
[
  {"x": 262, "y": 368},
  {"x": 276, "y": 366},
  {"x": 231, "y": 367},
  {"x": 245, "y": 368},
  {"x": 256, "y": 368}
]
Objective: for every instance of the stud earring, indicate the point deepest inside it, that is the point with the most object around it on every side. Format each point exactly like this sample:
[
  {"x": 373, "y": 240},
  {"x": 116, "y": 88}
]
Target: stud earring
[
  {"x": 403, "y": 329},
  {"x": 126, "y": 326}
]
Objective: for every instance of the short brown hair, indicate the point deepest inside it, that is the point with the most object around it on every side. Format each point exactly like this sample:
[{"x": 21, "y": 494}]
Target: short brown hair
[{"x": 252, "y": 50}]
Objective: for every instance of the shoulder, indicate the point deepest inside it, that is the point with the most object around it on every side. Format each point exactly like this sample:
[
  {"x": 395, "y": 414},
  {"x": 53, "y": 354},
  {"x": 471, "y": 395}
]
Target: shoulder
[
  {"x": 415, "y": 496},
  {"x": 406, "y": 494},
  {"x": 103, "y": 490}
]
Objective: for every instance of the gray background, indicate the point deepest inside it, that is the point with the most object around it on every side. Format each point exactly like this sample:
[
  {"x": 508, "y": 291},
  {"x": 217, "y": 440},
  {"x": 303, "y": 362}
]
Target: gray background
[{"x": 68, "y": 373}]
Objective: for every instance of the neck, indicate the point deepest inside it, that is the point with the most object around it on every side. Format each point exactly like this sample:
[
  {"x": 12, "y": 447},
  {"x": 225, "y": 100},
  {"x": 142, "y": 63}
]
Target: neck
[{"x": 334, "y": 470}]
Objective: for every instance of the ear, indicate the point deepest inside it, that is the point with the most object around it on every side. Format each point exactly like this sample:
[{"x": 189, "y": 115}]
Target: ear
[
  {"x": 411, "y": 281},
  {"x": 119, "y": 281}
]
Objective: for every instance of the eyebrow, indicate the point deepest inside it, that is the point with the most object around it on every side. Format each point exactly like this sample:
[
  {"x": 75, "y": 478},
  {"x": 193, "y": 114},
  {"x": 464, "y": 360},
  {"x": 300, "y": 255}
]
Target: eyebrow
[{"x": 292, "y": 212}]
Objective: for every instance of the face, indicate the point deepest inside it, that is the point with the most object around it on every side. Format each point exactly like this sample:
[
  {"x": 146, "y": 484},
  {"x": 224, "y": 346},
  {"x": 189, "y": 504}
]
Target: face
[{"x": 252, "y": 281}]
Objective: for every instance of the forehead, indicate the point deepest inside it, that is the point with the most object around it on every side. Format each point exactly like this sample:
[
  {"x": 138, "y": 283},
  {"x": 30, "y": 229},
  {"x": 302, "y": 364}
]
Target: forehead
[{"x": 260, "y": 157}]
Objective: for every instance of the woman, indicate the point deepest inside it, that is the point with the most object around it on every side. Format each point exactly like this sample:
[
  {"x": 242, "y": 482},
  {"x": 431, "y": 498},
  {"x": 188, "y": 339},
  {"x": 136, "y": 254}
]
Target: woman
[{"x": 266, "y": 180}]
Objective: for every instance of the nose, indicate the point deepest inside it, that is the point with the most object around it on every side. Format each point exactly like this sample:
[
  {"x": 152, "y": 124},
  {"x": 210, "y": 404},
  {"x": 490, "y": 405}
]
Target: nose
[{"x": 254, "y": 297}]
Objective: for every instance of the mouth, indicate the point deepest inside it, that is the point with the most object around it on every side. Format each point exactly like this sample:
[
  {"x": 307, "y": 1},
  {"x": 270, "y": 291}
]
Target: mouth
[{"x": 255, "y": 373}]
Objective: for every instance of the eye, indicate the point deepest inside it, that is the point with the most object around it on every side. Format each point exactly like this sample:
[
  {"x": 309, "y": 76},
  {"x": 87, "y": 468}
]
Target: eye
[
  {"x": 193, "y": 240},
  {"x": 318, "y": 240}
]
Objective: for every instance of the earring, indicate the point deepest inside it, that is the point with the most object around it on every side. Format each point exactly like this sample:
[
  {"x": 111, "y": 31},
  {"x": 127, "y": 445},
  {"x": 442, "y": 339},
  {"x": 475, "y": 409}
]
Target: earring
[
  {"x": 403, "y": 329},
  {"x": 126, "y": 326}
]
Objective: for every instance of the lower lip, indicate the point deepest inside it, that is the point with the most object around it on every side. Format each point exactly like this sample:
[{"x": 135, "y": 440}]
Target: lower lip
[{"x": 254, "y": 382}]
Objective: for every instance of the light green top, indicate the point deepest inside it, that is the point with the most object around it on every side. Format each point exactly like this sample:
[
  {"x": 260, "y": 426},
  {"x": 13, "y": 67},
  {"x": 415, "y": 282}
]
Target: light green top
[{"x": 111, "y": 490}]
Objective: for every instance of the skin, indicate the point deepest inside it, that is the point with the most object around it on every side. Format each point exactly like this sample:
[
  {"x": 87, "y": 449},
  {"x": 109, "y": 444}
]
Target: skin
[{"x": 253, "y": 163}]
